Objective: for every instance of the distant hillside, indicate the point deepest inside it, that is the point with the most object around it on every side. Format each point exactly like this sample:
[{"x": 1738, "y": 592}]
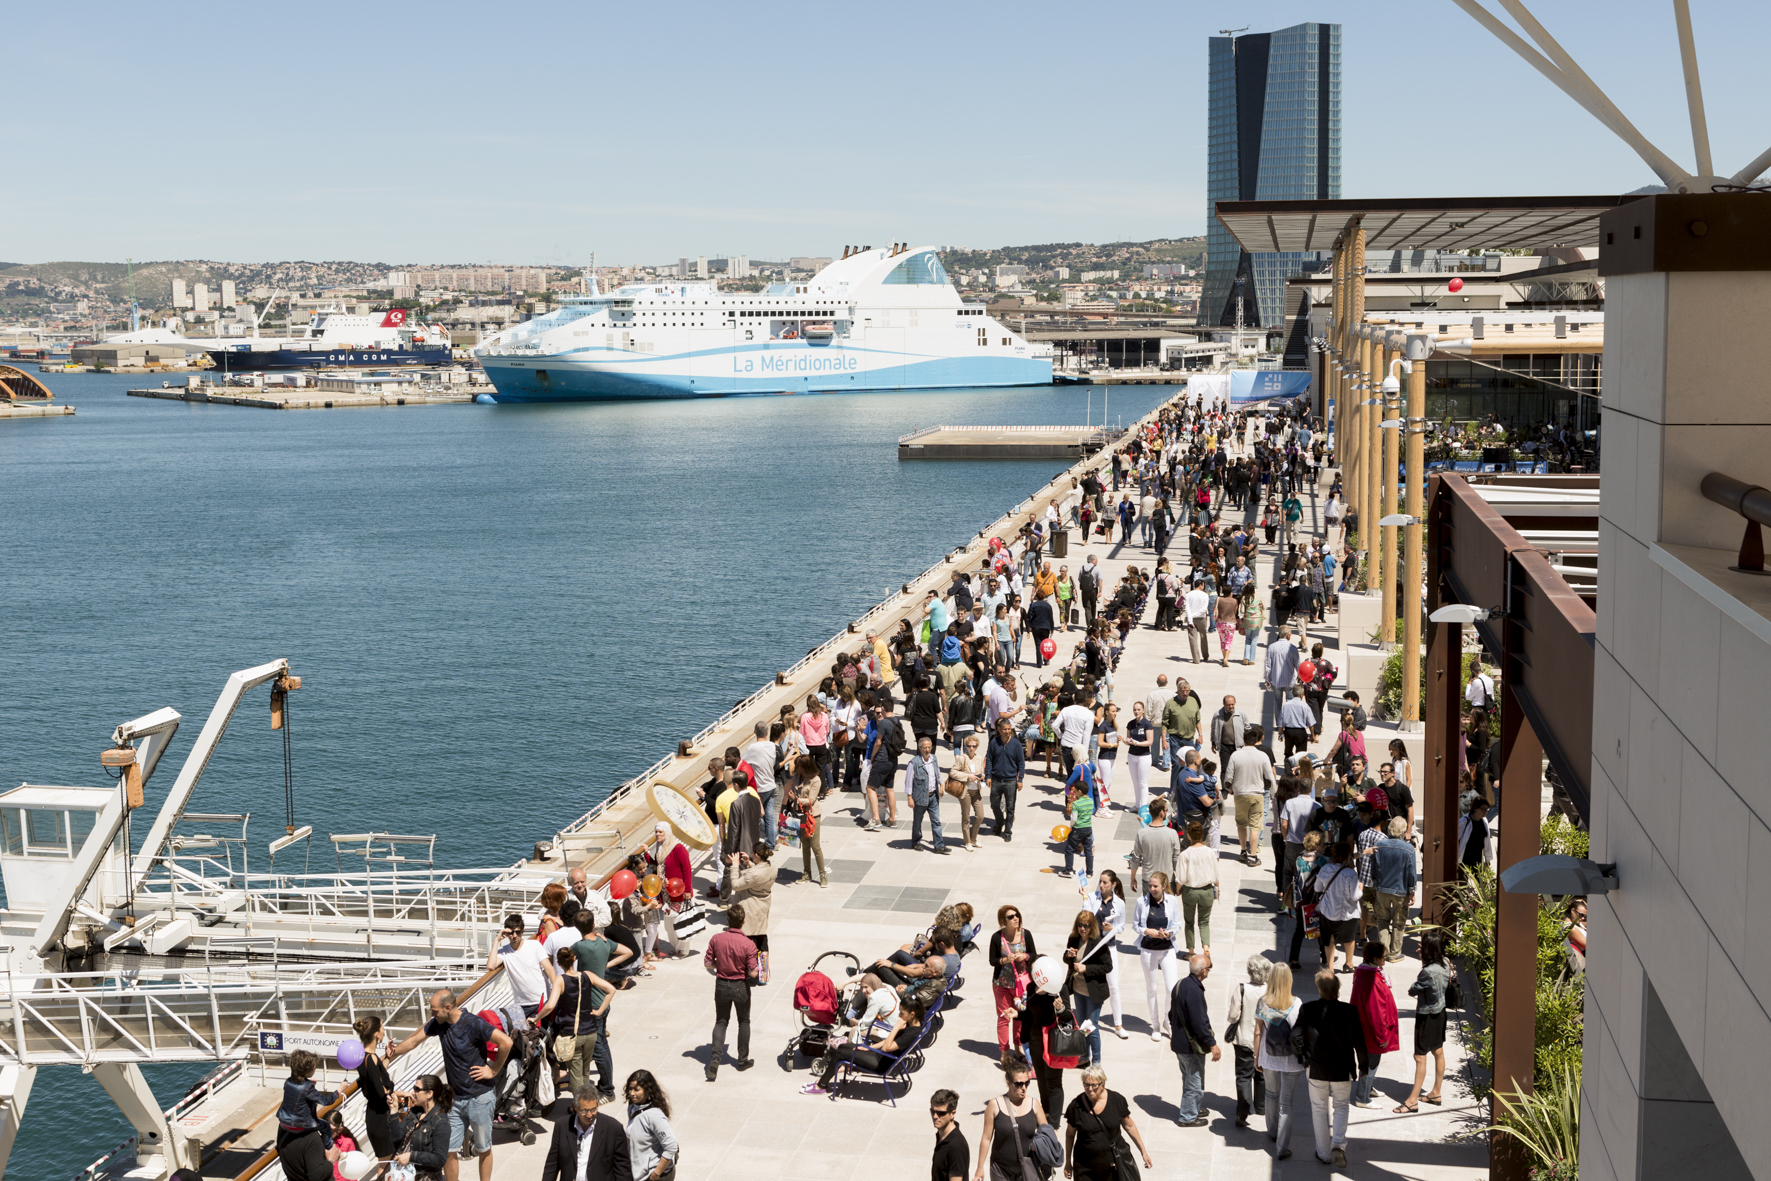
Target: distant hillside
[
  {"x": 1081, "y": 256},
  {"x": 29, "y": 289}
]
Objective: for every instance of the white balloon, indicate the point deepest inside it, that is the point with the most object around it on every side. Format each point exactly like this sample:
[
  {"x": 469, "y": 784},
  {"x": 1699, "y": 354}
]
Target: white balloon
[
  {"x": 356, "y": 1165},
  {"x": 1048, "y": 975}
]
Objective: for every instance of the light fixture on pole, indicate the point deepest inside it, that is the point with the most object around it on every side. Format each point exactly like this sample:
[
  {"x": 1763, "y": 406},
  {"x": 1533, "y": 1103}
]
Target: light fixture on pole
[{"x": 1464, "y": 613}]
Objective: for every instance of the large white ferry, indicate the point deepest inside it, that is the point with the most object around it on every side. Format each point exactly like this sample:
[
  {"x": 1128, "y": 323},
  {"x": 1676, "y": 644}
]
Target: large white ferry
[{"x": 876, "y": 319}]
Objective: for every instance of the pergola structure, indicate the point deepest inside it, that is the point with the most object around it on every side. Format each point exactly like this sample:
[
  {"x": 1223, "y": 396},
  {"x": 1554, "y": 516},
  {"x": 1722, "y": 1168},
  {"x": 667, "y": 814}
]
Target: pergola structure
[
  {"x": 1541, "y": 634},
  {"x": 1419, "y": 223}
]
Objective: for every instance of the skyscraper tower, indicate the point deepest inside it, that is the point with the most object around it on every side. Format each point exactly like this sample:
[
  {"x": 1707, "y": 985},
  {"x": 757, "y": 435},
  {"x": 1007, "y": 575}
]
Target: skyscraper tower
[{"x": 1274, "y": 133}]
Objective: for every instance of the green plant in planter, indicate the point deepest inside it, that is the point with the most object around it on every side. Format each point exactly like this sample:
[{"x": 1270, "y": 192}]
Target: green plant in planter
[
  {"x": 1547, "y": 1123},
  {"x": 1561, "y": 997}
]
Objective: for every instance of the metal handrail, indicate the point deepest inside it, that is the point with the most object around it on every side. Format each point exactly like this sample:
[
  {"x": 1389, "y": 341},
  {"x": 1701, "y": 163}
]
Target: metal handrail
[{"x": 1749, "y": 501}]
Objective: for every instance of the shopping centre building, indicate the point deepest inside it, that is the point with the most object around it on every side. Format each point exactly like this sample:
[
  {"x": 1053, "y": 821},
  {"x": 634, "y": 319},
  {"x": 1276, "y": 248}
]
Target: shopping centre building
[{"x": 1638, "y": 695}]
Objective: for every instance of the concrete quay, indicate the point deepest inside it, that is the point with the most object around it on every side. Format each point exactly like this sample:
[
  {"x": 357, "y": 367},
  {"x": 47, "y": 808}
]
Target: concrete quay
[
  {"x": 757, "y": 1125},
  {"x": 1129, "y": 376},
  {"x": 1005, "y": 442},
  {"x": 49, "y": 411}
]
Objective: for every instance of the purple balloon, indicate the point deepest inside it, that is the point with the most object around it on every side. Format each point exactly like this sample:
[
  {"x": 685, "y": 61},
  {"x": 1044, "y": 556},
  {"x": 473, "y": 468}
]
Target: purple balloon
[{"x": 350, "y": 1053}]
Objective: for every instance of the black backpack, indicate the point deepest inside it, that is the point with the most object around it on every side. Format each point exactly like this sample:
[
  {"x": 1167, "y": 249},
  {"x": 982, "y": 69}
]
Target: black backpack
[
  {"x": 894, "y": 739},
  {"x": 1276, "y": 1037}
]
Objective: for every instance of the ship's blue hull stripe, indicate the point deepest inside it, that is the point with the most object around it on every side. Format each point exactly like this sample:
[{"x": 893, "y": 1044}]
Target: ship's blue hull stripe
[{"x": 564, "y": 382}]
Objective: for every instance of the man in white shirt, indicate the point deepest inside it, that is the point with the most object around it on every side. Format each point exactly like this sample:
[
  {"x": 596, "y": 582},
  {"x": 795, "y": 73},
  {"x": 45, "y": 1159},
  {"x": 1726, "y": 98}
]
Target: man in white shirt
[
  {"x": 761, "y": 756},
  {"x": 566, "y": 936},
  {"x": 525, "y": 962},
  {"x": 1075, "y": 722},
  {"x": 1480, "y": 694},
  {"x": 1197, "y": 606},
  {"x": 1147, "y": 515},
  {"x": 981, "y": 627},
  {"x": 1282, "y": 663},
  {"x": 578, "y": 882},
  {"x": 992, "y": 598},
  {"x": 999, "y": 702},
  {"x": 1154, "y": 703},
  {"x": 1249, "y": 775}
]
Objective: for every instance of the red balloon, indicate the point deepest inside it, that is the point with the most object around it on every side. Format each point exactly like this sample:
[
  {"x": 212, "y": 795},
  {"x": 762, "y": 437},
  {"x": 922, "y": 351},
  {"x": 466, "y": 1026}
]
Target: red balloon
[
  {"x": 1456, "y": 285},
  {"x": 1048, "y": 647},
  {"x": 675, "y": 888},
  {"x": 622, "y": 884}
]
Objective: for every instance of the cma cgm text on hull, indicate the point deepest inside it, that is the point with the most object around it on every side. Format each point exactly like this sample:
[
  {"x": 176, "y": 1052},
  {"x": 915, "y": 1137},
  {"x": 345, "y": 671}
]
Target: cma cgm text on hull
[{"x": 884, "y": 319}]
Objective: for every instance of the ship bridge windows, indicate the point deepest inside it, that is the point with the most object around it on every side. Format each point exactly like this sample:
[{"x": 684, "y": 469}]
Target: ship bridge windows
[{"x": 922, "y": 268}]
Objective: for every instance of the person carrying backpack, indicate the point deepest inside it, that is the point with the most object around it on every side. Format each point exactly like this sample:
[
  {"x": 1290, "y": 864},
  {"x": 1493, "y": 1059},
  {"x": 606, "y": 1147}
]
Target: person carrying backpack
[
  {"x": 1276, "y": 1017},
  {"x": 1316, "y": 689},
  {"x": 888, "y": 748}
]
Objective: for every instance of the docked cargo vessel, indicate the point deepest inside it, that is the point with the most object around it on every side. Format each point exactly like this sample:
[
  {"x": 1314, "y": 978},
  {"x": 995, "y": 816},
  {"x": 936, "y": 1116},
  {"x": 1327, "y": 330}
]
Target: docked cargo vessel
[
  {"x": 337, "y": 340},
  {"x": 876, "y": 319}
]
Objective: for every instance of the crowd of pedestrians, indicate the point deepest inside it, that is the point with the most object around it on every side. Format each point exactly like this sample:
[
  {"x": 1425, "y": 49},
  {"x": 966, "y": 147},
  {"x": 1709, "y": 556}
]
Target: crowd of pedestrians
[{"x": 1012, "y": 670}]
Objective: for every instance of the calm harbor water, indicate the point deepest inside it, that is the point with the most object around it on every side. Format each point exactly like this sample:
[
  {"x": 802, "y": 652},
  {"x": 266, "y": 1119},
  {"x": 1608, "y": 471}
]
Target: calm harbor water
[{"x": 498, "y": 613}]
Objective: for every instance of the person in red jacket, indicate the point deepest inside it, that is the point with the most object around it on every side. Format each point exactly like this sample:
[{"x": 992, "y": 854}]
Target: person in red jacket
[{"x": 1377, "y": 1017}]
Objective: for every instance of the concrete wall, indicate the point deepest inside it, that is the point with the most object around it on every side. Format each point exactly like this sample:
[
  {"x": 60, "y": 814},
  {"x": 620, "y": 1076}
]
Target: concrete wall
[{"x": 1679, "y": 961}]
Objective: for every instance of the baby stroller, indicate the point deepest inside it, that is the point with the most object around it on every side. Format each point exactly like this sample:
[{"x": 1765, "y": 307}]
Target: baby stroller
[
  {"x": 520, "y": 1089},
  {"x": 820, "y": 1003}
]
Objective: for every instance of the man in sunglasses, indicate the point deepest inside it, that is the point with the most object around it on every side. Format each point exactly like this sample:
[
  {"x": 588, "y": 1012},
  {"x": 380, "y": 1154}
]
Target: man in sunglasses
[{"x": 953, "y": 1156}]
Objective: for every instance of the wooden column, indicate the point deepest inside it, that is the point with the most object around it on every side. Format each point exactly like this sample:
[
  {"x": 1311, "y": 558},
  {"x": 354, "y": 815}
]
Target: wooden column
[
  {"x": 1515, "y": 959},
  {"x": 1420, "y": 346},
  {"x": 1437, "y": 794},
  {"x": 1370, "y": 361},
  {"x": 1388, "y": 441},
  {"x": 1330, "y": 390},
  {"x": 1354, "y": 265},
  {"x": 1438, "y": 791},
  {"x": 1331, "y": 360}
]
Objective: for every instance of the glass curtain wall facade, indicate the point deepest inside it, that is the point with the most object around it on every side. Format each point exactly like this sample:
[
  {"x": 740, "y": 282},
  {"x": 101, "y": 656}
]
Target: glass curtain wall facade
[
  {"x": 1461, "y": 390},
  {"x": 1273, "y": 133}
]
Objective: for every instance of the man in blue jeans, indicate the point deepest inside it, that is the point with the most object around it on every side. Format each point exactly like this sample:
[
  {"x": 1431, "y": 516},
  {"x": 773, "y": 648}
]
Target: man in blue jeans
[
  {"x": 464, "y": 1036},
  {"x": 1006, "y": 767},
  {"x": 1190, "y": 1037},
  {"x": 922, "y": 783}
]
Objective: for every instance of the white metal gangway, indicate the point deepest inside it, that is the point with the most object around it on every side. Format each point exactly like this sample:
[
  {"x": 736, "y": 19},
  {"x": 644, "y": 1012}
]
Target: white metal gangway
[
  {"x": 196, "y": 902},
  {"x": 110, "y": 1023},
  {"x": 176, "y": 951},
  {"x": 206, "y": 1014}
]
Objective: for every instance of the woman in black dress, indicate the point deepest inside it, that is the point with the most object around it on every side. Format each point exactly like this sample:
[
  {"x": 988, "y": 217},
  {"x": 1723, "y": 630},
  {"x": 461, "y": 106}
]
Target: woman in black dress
[
  {"x": 1010, "y": 1121},
  {"x": 376, "y": 1084},
  {"x": 1093, "y": 1124}
]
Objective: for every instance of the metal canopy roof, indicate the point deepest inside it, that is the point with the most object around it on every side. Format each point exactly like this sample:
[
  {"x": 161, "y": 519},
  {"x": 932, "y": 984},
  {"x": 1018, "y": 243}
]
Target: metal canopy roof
[{"x": 1420, "y": 223}]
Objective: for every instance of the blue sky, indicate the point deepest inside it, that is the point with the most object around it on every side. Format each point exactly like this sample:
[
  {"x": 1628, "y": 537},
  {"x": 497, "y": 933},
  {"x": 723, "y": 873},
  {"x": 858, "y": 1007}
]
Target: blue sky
[{"x": 541, "y": 132}]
